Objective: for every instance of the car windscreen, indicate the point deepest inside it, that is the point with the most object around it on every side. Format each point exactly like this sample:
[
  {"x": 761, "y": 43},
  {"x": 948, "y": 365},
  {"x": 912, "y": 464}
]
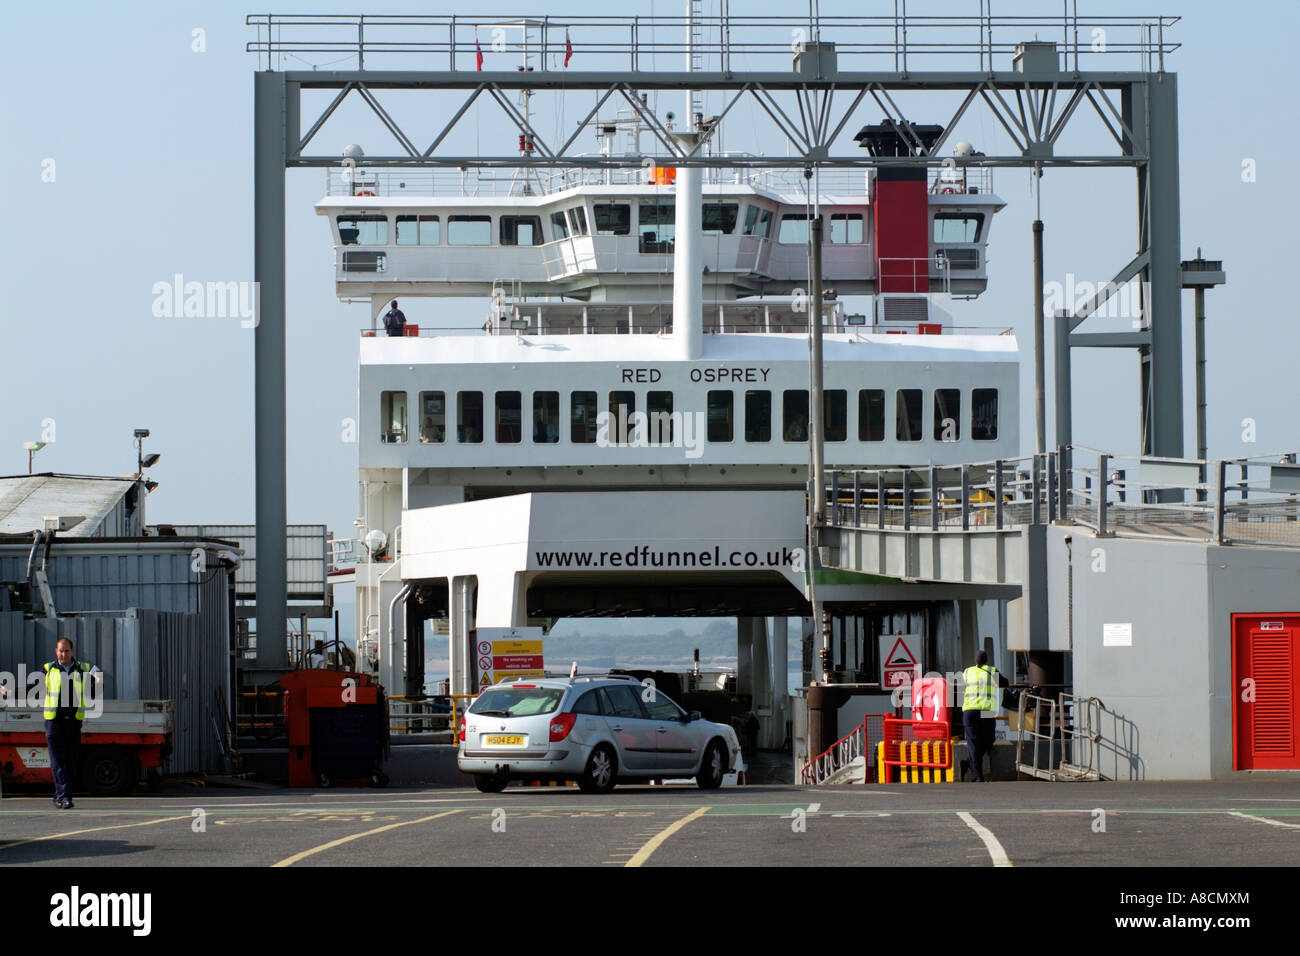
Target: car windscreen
[{"x": 517, "y": 701}]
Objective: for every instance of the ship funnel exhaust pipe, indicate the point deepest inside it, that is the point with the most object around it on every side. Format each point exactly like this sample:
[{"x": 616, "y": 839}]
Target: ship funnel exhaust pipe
[{"x": 688, "y": 264}]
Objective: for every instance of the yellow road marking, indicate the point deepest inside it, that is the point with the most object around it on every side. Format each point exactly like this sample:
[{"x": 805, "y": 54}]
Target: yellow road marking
[
  {"x": 657, "y": 840},
  {"x": 117, "y": 826},
  {"x": 290, "y": 861}
]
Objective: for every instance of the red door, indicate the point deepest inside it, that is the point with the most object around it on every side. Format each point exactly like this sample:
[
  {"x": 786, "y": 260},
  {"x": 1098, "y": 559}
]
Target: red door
[{"x": 1265, "y": 674}]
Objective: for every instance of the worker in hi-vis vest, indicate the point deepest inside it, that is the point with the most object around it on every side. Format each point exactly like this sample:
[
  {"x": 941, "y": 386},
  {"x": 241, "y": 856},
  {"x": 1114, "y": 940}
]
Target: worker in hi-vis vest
[
  {"x": 65, "y": 709},
  {"x": 982, "y": 683}
]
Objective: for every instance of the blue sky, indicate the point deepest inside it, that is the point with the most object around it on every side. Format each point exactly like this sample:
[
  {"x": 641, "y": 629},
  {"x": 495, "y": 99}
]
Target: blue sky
[{"x": 152, "y": 156}]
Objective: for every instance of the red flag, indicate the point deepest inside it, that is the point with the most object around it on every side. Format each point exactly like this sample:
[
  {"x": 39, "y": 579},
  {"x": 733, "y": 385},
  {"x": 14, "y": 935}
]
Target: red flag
[
  {"x": 478, "y": 55},
  {"x": 568, "y": 48}
]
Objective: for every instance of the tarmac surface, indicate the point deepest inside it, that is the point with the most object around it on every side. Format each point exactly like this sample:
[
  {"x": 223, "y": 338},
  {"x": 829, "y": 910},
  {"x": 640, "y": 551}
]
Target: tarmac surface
[{"x": 1192, "y": 824}]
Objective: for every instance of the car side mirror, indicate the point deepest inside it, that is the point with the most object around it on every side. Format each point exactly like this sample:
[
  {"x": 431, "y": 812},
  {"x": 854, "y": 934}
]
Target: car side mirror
[{"x": 693, "y": 715}]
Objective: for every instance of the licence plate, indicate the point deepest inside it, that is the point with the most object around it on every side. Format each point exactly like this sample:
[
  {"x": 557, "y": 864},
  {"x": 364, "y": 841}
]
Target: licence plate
[{"x": 504, "y": 740}]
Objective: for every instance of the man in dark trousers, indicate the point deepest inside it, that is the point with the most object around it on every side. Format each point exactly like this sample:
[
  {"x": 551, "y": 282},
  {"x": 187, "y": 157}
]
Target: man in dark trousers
[
  {"x": 394, "y": 320},
  {"x": 981, "y": 682},
  {"x": 65, "y": 709}
]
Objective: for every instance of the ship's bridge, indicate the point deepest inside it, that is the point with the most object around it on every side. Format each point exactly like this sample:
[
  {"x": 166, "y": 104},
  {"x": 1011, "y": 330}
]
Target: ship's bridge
[{"x": 612, "y": 242}]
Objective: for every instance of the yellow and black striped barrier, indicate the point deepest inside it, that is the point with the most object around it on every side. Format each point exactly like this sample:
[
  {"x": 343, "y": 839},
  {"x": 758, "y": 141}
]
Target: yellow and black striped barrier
[{"x": 920, "y": 761}]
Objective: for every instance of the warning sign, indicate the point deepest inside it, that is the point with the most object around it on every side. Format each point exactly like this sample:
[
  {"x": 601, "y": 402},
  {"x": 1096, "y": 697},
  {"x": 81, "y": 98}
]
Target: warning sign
[
  {"x": 900, "y": 659},
  {"x": 508, "y": 653}
]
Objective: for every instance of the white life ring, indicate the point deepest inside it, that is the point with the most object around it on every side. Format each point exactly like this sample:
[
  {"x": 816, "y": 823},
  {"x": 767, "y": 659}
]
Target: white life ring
[
  {"x": 365, "y": 192},
  {"x": 948, "y": 191}
]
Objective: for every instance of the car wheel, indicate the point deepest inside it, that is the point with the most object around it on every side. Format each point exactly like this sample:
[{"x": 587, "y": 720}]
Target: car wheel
[
  {"x": 490, "y": 782},
  {"x": 598, "y": 777},
  {"x": 712, "y": 768}
]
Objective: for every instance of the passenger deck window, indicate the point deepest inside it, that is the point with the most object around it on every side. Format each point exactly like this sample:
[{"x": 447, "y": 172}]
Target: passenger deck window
[
  {"x": 433, "y": 417},
  {"x": 363, "y": 230},
  {"x": 392, "y": 417},
  {"x": 846, "y": 227},
  {"x": 758, "y": 221},
  {"x": 657, "y": 223},
  {"x": 612, "y": 219},
  {"x": 721, "y": 410},
  {"x": 469, "y": 230},
  {"x": 835, "y": 412},
  {"x": 907, "y": 420},
  {"x": 509, "y": 417},
  {"x": 957, "y": 226},
  {"x": 469, "y": 417},
  {"x": 521, "y": 230},
  {"x": 758, "y": 416},
  {"x": 719, "y": 218},
  {"x": 417, "y": 230},
  {"x": 795, "y": 229},
  {"x": 947, "y": 414},
  {"x": 659, "y": 417},
  {"x": 794, "y": 414},
  {"x": 871, "y": 414},
  {"x": 984, "y": 414},
  {"x": 582, "y": 417},
  {"x": 559, "y": 226},
  {"x": 579, "y": 217},
  {"x": 621, "y": 407},
  {"x": 546, "y": 417}
]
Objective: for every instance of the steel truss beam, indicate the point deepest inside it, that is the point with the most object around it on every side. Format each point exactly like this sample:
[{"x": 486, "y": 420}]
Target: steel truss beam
[{"x": 1031, "y": 117}]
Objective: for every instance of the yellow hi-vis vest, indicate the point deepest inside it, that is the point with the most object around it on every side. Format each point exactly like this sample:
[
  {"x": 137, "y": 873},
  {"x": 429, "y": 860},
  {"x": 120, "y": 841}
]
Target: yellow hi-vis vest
[
  {"x": 981, "y": 684},
  {"x": 54, "y": 689}
]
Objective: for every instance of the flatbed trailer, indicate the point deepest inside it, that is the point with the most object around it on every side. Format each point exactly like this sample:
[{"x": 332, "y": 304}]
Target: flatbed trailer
[{"x": 127, "y": 738}]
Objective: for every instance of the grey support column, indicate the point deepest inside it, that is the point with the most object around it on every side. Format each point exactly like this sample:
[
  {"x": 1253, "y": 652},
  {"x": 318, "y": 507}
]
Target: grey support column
[
  {"x": 269, "y": 154},
  {"x": 460, "y": 653},
  {"x": 1157, "y": 119}
]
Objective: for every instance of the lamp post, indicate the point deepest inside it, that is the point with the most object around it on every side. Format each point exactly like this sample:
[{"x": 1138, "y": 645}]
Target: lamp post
[{"x": 32, "y": 447}]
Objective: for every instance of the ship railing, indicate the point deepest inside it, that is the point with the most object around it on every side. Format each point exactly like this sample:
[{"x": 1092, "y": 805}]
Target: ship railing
[
  {"x": 722, "y": 43},
  {"x": 1060, "y": 738},
  {"x": 411, "y": 716},
  {"x": 836, "y": 757},
  {"x": 771, "y": 322},
  {"x": 1224, "y": 501}
]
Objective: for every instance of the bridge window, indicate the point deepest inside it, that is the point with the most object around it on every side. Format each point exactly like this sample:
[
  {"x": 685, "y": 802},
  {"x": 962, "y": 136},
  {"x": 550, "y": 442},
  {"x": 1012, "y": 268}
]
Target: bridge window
[
  {"x": 984, "y": 414},
  {"x": 613, "y": 219},
  {"x": 363, "y": 230},
  {"x": 794, "y": 414},
  {"x": 546, "y": 417},
  {"x": 559, "y": 226},
  {"x": 579, "y": 216},
  {"x": 719, "y": 218},
  {"x": 720, "y": 426},
  {"x": 469, "y": 417},
  {"x": 947, "y": 414},
  {"x": 758, "y": 416},
  {"x": 957, "y": 226},
  {"x": 521, "y": 230},
  {"x": 659, "y": 417},
  {"x": 908, "y": 414},
  {"x": 871, "y": 414},
  {"x": 621, "y": 407},
  {"x": 417, "y": 230},
  {"x": 433, "y": 417},
  {"x": 509, "y": 417},
  {"x": 795, "y": 229},
  {"x": 582, "y": 417},
  {"x": 846, "y": 227},
  {"x": 469, "y": 230},
  {"x": 392, "y": 417},
  {"x": 758, "y": 221},
  {"x": 657, "y": 223},
  {"x": 836, "y": 410}
]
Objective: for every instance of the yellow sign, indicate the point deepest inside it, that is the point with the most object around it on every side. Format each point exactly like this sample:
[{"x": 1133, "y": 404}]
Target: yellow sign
[
  {"x": 516, "y": 647},
  {"x": 484, "y": 682}
]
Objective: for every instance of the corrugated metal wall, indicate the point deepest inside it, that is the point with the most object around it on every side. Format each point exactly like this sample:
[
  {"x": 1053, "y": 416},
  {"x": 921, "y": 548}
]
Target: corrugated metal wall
[
  {"x": 156, "y": 620},
  {"x": 146, "y": 654}
]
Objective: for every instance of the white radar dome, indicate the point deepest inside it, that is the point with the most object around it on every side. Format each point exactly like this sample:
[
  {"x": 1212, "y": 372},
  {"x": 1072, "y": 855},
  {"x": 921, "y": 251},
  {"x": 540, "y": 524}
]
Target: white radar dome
[
  {"x": 353, "y": 151},
  {"x": 963, "y": 149},
  {"x": 376, "y": 541}
]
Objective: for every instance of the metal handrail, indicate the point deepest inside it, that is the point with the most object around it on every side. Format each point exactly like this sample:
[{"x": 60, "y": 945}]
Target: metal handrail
[
  {"x": 626, "y": 41},
  {"x": 835, "y": 757}
]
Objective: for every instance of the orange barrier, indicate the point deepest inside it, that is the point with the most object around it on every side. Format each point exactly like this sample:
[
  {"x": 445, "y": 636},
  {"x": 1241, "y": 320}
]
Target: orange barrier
[{"x": 914, "y": 747}]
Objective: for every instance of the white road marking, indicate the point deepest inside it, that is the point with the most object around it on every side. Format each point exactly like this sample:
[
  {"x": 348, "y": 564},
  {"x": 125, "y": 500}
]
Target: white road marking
[
  {"x": 991, "y": 843},
  {"x": 814, "y": 807},
  {"x": 1276, "y": 823}
]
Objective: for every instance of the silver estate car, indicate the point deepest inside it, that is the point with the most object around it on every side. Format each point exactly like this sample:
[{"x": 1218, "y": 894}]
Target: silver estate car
[{"x": 596, "y": 730}]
